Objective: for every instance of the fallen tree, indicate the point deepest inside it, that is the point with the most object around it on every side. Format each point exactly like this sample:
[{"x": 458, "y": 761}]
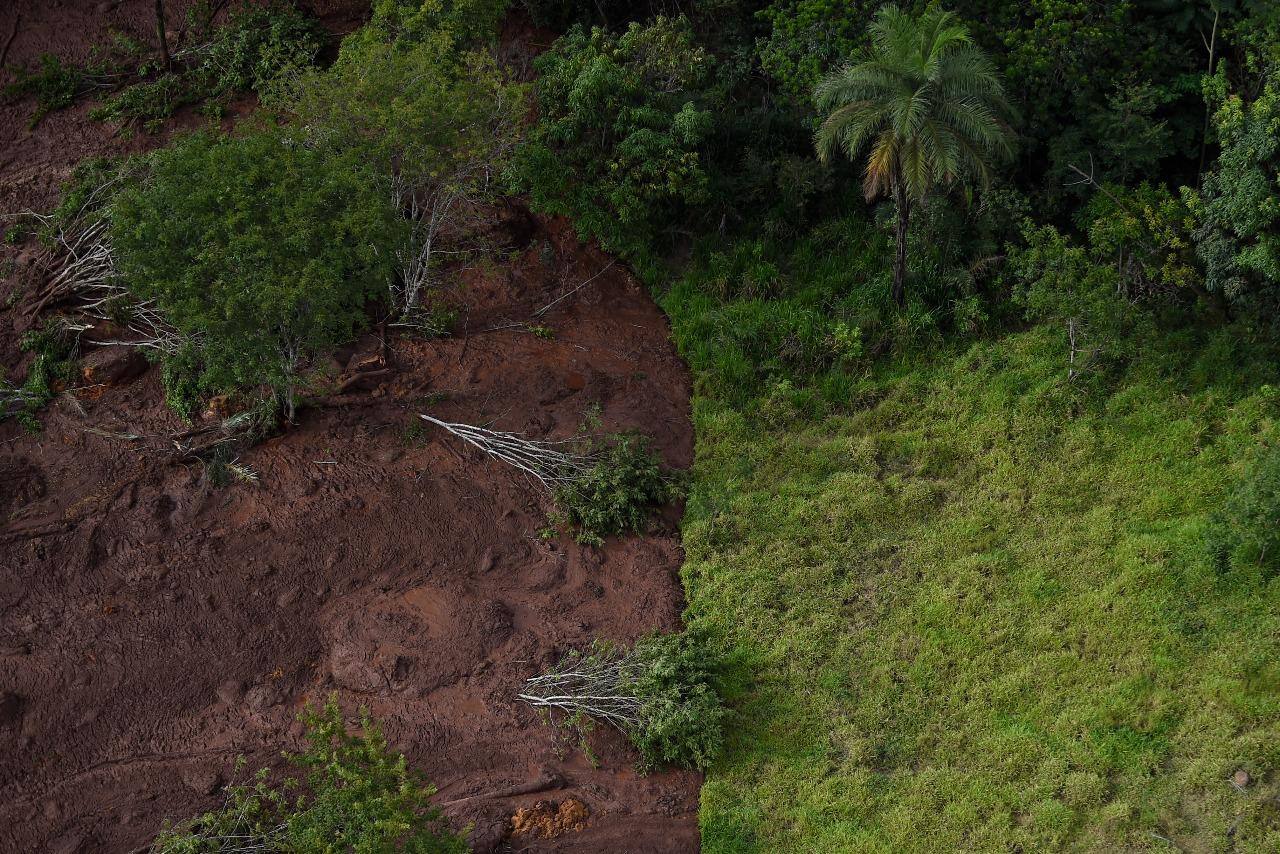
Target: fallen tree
[{"x": 663, "y": 694}]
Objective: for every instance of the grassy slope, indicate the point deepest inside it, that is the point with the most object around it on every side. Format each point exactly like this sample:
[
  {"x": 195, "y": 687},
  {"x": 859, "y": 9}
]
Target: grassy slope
[{"x": 976, "y": 613}]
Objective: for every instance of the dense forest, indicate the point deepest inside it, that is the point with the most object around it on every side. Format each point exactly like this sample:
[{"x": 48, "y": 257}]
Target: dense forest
[{"x": 979, "y": 300}]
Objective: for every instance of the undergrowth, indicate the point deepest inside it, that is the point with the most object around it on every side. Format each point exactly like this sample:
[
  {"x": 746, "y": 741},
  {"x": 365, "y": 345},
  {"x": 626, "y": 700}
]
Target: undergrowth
[
  {"x": 253, "y": 46},
  {"x": 52, "y": 369},
  {"x": 346, "y": 792}
]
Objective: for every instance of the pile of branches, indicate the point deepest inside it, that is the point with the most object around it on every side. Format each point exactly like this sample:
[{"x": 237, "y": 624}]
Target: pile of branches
[
  {"x": 600, "y": 686},
  {"x": 82, "y": 275}
]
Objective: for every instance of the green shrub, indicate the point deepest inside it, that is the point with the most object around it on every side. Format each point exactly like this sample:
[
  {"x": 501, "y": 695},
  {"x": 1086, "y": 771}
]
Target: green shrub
[
  {"x": 354, "y": 795},
  {"x": 255, "y": 45},
  {"x": 617, "y": 145},
  {"x": 52, "y": 369},
  {"x": 1245, "y": 532},
  {"x": 56, "y": 84},
  {"x": 665, "y": 694},
  {"x": 262, "y": 254},
  {"x": 624, "y": 484}
]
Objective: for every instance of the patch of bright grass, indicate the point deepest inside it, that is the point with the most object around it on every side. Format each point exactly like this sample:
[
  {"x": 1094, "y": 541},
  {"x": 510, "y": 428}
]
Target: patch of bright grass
[{"x": 977, "y": 612}]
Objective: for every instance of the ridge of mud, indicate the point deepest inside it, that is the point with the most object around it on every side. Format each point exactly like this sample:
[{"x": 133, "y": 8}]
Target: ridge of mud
[{"x": 153, "y": 628}]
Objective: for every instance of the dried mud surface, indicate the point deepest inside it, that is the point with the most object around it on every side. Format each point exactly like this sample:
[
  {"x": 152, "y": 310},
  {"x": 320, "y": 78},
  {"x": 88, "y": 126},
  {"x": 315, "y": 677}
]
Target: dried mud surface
[{"x": 153, "y": 627}]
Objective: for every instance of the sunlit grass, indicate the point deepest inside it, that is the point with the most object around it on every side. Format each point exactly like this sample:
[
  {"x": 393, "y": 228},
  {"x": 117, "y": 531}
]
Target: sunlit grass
[{"x": 974, "y": 609}]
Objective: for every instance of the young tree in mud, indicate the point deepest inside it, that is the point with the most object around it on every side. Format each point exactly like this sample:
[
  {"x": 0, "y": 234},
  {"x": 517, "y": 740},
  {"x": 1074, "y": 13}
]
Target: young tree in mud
[
  {"x": 927, "y": 103},
  {"x": 601, "y": 486},
  {"x": 664, "y": 694},
  {"x": 355, "y": 795},
  {"x": 260, "y": 252},
  {"x": 434, "y": 117}
]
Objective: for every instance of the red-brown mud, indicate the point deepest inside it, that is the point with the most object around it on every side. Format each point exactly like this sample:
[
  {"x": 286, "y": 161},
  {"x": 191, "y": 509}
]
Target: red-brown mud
[{"x": 153, "y": 627}]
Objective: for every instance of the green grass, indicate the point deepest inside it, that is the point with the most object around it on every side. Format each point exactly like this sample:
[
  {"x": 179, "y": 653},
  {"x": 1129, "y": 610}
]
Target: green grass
[{"x": 975, "y": 610}]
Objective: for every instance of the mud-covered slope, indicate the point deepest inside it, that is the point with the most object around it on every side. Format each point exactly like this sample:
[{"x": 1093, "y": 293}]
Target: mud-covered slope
[{"x": 153, "y": 627}]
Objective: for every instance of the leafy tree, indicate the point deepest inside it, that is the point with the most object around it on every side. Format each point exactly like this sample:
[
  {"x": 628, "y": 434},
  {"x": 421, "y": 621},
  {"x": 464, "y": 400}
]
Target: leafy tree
[
  {"x": 356, "y": 796},
  {"x": 1238, "y": 241},
  {"x": 437, "y": 120},
  {"x": 808, "y": 36},
  {"x": 926, "y": 102},
  {"x": 260, "y": 252},
  {"x": 618, "y": 143}
]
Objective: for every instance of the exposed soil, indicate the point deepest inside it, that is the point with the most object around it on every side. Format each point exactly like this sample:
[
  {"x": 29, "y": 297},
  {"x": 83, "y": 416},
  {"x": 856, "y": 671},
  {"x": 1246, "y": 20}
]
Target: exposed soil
[{"x": 153, "y": 626}]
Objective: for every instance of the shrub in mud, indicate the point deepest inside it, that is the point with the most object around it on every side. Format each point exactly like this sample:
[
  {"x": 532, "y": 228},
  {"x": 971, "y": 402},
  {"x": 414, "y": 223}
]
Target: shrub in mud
[
  {"x": 260, "y": 253},
  {"x": 347, "y": 792},
  {"x": 617, "y": 492},
  {"x": 665, "y": 694}
]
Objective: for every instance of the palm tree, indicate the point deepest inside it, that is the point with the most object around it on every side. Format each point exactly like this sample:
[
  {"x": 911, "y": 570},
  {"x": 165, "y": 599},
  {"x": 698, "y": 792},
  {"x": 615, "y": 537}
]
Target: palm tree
[{"x": 926, "y": 102}]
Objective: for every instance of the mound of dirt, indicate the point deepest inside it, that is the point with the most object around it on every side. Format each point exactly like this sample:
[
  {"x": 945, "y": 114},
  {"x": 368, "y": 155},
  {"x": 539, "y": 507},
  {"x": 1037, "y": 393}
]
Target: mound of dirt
[
  {"x": 153, "y": 626},
  {"x": 547, "y": 819}
]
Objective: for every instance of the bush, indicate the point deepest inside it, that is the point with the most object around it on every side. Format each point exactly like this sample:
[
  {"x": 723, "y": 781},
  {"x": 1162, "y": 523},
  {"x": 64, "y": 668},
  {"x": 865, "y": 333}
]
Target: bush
[
  {"x": 260, "y": 253},
  {"x": 1245, "y": 532},
  {"x": 52, "y": 369},
  {"x": 617, "y": 146},
  {"x": 623, "y": 484},
  {"x": 407, "y": 99},
  {"x": 355, "y": 796},
  {"x": 664, "y": 694},
  {"x": 257, "y": 44}
]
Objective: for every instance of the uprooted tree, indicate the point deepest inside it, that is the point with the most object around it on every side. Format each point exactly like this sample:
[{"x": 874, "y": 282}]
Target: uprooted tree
[
  {"x": 663, "y": 694},
  {"x": 601, "y": 486}
]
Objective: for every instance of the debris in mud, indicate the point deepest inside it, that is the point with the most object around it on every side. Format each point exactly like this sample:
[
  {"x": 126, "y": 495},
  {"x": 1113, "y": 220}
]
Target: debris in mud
[
  {"x": 547, "y": 819},
  {"x": 113, "y": 365}
]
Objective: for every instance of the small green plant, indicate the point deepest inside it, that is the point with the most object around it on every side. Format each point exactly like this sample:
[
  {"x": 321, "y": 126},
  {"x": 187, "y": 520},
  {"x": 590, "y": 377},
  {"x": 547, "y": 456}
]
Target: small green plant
[
  {"x": 1245, "y": 531},
  {"x": 56, "y": 85},
  {"x": 664, "y": 694},
  {"x": 546, "y": 333},
  {"x": 617, "y": 492},
  {"x": 53, "y": 367},
  {"x": 349, "y": 793}
]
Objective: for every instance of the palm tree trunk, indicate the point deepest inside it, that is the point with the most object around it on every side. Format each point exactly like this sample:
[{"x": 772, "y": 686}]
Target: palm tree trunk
[{"x": 900, "y": 262}]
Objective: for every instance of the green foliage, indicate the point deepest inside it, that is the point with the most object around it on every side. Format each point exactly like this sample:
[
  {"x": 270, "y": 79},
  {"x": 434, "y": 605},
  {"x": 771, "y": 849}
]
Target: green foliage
[
  {"x": 52, "y": 368},
  {"x": 617, "y": 146},
  {"x": 1245, "y": 532},
  {"x": 263, "y": 254},
  {"x": 256, "y": 44},
  {"x": 1058, "y": 282},
  {"x": 808, "y": 38},
  {"x": 469, "y": 22},
  {"x": 1239, "y": 240},
  {"x": 354, "y": 796},
  {"x": 624, "y": 484},
  {"x": 409, "y": 100},
  {"x": 682, "y": 714}
]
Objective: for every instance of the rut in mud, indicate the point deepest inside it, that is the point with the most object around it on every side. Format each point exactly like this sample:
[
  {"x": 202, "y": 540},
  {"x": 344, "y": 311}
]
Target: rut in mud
[{"x": 153, "y": 627}]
